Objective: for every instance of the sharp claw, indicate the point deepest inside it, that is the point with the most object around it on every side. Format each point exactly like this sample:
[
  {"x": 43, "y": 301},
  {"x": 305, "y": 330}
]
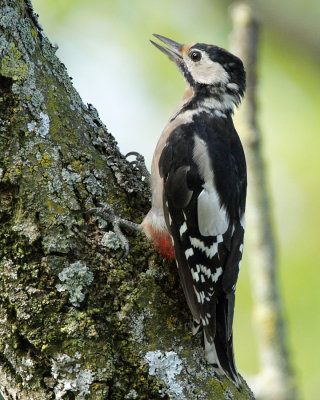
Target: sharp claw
[
  {"x": 106, "y": 211},
  {"x": 123, "y": 240},
  {"x": 139, "y": 163},
  {"x": 133, "y": 153}
]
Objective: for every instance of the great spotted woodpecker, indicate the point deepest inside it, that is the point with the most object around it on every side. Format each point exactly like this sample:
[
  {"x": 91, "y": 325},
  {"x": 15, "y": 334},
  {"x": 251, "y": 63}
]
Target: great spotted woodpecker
[{"x": 198, "y": 182}]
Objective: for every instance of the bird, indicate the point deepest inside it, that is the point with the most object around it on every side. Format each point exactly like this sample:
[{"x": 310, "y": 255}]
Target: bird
[{"x": 198, "y": 185}]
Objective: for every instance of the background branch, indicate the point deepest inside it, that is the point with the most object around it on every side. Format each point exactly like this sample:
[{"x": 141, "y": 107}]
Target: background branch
[{"x": 275, "y": 380}]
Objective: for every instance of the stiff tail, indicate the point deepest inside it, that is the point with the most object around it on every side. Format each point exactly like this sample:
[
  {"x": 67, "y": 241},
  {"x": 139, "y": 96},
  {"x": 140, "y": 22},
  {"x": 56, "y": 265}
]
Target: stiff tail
[
  {"x": 219, "y": 351},
  {"x": 222, "y": 359}
]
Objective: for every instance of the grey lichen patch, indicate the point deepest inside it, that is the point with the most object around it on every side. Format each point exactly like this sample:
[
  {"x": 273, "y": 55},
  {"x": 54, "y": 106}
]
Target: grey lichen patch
[
  {"x": 70, "y": 177},
  {"x": 7, "y": 269},
  {"x": 75, "y": 278},
  {"x": 58, "y": 241},
  {"x": 42, "y": 128},
  {"x": 110, "y": 240},
  {"x": 70, "y": 377},
  {"x": 132, "y": 395},
  {"x": 93, "y": 186},
  {"x": 26, "y": 370},
  {"x": 138, "y": 323},
  {"x": 28, "y": 229},
  {"x": 166, "y": 367},
  {"x": 185, "y": 375},
  {"x": 45, "y": 125}
]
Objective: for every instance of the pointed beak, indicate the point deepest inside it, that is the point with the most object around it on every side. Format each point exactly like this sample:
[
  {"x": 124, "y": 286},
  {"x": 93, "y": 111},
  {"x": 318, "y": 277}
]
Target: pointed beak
[{"x": 173, "y": 51}]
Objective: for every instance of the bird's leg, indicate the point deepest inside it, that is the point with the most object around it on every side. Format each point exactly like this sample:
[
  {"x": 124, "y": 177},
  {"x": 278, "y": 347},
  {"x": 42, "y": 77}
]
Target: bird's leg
[
  {"x": 107, "y": 213},
  {"x": 139, "y": 163}
]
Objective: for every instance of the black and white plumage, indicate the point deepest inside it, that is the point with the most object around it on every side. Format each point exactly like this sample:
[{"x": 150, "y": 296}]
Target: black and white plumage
[{"x": 199, "y": 191}]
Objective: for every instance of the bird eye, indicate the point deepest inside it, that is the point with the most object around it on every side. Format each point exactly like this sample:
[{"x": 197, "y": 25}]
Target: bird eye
[{"x": 195, "y": 56}]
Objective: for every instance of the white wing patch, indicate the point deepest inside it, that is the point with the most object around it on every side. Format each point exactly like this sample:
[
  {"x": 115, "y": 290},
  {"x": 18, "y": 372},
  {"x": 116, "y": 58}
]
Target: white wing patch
[{"x": 212, "y": 218}]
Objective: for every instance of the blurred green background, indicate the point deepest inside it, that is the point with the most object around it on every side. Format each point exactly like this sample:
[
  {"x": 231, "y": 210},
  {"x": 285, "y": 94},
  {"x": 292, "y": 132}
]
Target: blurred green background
[{"x": 105, "y": 46}]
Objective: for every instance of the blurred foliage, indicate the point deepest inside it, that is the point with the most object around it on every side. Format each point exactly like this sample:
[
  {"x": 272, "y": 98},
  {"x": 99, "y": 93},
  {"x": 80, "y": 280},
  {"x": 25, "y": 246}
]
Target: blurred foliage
[{"x": 104, "y": 45}]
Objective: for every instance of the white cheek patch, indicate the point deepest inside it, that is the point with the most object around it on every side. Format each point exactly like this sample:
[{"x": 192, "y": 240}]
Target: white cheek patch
[{"x": 207, "y": 71}]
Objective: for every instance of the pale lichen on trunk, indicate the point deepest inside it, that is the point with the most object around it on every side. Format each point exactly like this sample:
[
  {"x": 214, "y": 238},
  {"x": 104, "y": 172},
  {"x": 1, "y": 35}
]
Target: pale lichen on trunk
[{"x": 77, "y": 319}]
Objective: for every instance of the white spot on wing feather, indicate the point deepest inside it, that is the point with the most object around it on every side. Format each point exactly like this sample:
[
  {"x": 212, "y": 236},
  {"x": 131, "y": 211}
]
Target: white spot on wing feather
[
  {"x": 209, "y": 251},
  {"x": 216, "y": 275},
  {"x": 188, "y": 253},
  {"x": 202, "y": 297},
  {"x": 183, "y": 228},
  {"x": 195, "y": 275},
  {"x": 205, "y": 321},
  {"x": 206, "y": 271}
]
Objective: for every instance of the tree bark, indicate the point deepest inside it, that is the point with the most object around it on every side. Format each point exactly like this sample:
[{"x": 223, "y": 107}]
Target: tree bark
[
  {"x": 276, "y": 379},
  {"x": 78, "y": 320}
]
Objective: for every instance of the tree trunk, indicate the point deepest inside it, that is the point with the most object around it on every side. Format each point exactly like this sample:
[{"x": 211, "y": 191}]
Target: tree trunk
[{"x": 79, "y": 320}]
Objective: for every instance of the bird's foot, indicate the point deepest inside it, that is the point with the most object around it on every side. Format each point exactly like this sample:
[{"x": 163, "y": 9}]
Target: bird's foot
[
  {"x": 139, "y": 163},
  {"x": 107, "y": 213}
]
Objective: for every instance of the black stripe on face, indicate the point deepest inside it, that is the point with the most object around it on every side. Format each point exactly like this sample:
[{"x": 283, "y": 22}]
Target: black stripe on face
[{"x": 187, "y": 75}]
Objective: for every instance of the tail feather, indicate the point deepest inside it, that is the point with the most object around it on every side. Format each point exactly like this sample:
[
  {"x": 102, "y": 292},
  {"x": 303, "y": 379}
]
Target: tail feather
[
  {"x": 220, "y": 356},
  {"x": 219, "y": 350}
]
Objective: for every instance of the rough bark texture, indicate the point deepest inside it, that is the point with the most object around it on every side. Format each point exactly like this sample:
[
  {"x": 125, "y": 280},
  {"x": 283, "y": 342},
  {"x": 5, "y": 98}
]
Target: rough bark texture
[
  {"x": 275, "y": 380},
  {"x": 77, "y": 319}
]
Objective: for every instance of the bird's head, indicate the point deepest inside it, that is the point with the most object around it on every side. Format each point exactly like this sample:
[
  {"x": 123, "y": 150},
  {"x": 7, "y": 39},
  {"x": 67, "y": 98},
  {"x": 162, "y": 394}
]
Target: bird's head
[{"x": 208, "y": 69}]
